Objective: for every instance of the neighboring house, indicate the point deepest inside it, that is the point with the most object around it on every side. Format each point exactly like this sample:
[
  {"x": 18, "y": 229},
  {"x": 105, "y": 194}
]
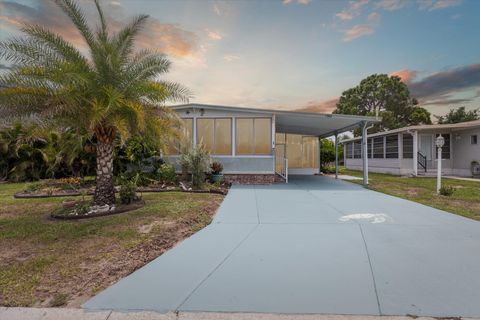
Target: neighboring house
[
  {"x": 412, "y": 150},
  {"x": 258, "y": 145}
]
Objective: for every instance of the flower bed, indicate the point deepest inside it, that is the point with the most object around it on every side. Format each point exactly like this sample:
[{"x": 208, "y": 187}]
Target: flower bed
[{"x": 83, "y": 210}]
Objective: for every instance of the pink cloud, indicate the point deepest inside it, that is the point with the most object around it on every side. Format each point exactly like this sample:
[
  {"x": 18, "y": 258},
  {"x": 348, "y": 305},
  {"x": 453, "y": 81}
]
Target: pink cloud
[
  {"x": 405, "y": 75},
  {"x": 391, "y": 5},
  {"x": 327, "y": 106},
  {"x": 431, "y": 5},
  {"x": 354, "y": 9},
  {"x": 168, "y": 38},
  {"x": 357, "y": 31}
]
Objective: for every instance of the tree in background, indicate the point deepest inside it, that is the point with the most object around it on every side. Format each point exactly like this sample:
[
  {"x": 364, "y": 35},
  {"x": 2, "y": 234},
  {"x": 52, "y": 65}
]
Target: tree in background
[
  {"x": 384, "y": 96},
  {"x": 459, "y": 115},
  {"x": 327, "y": 152},
  {"x": 113, "y": 92}
]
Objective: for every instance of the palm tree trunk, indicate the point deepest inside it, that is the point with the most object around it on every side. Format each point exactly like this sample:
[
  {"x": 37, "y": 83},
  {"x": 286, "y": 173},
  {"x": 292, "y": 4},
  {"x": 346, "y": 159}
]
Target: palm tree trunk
[{"x": 104, "y": 191}]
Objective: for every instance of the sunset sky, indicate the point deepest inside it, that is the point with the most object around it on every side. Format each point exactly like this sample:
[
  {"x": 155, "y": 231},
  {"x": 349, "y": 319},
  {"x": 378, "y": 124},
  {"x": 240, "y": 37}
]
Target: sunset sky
[{"x": 295, "y": 54}]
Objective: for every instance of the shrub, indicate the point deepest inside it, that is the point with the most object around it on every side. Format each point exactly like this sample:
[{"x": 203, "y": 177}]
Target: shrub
[
  {"x": 216, "y": 167},
  {"x": 328, "y": 169},
  {"x": 447, "y": 190},
  {"x": 196, "y": 160},
  {"x": 166, "y": 173},
  {"x": 128, "y": 190}
]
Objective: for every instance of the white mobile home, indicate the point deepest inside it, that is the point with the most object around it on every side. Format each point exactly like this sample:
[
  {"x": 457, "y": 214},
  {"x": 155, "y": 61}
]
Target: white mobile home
[
  {"x": 411, "y": 150},
  {"x": 260, "y": 145}
]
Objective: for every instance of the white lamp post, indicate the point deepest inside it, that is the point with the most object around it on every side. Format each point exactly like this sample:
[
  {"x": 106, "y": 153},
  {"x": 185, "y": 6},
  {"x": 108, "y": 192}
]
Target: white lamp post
[{"x": 439, "y": 142}]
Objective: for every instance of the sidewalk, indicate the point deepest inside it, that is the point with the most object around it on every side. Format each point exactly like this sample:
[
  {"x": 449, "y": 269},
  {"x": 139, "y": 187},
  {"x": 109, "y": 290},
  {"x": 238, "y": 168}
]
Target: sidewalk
[{"x": 80, "y": 314}]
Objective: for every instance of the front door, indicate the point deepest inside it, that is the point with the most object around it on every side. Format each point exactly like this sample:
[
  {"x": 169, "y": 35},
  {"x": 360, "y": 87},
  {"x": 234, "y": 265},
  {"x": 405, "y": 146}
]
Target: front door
[{"x": 426, "y": 145}]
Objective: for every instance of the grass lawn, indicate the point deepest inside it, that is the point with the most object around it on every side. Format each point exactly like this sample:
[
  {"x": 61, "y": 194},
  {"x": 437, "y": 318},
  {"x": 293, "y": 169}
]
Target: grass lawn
[
  {"x": 465, "y": 201},
  {"x": 45, "y": 262}
]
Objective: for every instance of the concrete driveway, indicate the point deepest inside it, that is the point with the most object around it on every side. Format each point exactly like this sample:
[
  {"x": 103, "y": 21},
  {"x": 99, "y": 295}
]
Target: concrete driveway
[{"x": 315, "y": 245}]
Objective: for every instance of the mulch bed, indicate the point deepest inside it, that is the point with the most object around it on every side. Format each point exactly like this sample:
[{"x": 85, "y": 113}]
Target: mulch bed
[
  {"x": 71, "y": 193},
  {"x": 118, "y": 209}
]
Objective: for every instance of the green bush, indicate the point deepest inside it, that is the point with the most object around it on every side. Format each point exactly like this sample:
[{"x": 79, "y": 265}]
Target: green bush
[
  {"x": 197, "y": 161},
  {"x": 447, "y": 190},
  {"x": 328, "y": 169},
  {"x": 167, "y": 174},
  {"x": 128, "y": 192}
]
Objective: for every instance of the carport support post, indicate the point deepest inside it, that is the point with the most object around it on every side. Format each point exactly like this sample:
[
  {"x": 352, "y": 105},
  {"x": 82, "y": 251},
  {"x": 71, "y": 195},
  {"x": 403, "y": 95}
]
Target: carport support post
[
  {"x": 336, "y": 155},
  {"x": 319, "y": 155},
  {"x": 365, "y": 153}
]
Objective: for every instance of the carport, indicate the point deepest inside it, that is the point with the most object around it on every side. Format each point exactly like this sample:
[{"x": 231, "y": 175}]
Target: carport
[{"x": 322, "y": 126}]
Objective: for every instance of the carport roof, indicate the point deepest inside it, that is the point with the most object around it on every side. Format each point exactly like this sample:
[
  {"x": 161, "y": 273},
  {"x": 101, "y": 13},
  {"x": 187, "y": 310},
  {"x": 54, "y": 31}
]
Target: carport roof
[{"x": 297, "y": 122}]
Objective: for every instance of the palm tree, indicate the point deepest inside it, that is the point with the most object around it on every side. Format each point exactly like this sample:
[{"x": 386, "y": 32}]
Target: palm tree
[{"x": 113, "y": 91}]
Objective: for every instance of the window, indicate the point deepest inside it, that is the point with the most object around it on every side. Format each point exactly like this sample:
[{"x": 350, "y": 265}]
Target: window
[
  {"x": 446, "y": 146},
  {"x": 369, "y": 147},
  {"x": 348, "y": 149},
  {"x": 473, "y": 139},
  {"x": 216, "y": 135},
  {"x": 407, "y": 146},
  {"x": 357, "y": 149},
  {"x": 391, "y": 146},
  {"x": 378, "y": 148},
  {"x": 186, "y": 137},
  {"x": 253, "y": 136}
]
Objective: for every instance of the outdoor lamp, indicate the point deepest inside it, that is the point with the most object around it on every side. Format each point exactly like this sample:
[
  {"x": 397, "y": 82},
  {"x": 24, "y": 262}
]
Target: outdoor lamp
[{"x": 439, "y": 142}]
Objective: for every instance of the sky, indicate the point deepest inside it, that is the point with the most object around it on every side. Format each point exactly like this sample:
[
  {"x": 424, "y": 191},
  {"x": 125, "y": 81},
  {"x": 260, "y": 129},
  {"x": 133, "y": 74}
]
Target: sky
[{"x": 294, "y": 54}]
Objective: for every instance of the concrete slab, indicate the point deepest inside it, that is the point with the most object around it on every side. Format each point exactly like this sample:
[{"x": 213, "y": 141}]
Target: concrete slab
[
  {"x": 21, "y": 313},
  {"x": 425, "y": 270},
  {"x": 163, "y": 284},
  {"x": 239, "y": 207},
  {"x": 292, "y": 269},
  {"x": 77, "y": 314},
  {"x": 143, "y": 315}
]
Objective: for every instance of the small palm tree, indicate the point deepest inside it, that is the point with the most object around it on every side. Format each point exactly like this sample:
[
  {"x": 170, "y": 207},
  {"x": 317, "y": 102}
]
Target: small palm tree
[{"x": 113, "y": 91}]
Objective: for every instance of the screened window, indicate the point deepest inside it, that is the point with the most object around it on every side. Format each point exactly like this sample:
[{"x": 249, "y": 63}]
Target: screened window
[
  {"x": 348, "y": 149},
  {"x": 474, "y": 139},
  {"x": 216, "y": 135},
  {"x": 378, "y": 148},
  {"x": 185, "y": 137},
  {"x": 253, "y": 136},
  {"x": 407, "y": 149},
  {"x": 391, "y": 146},
  {"x": 357, "y": 149},
  {"x": 369, "y": 147},
  {"x": 446, "y": 146}
]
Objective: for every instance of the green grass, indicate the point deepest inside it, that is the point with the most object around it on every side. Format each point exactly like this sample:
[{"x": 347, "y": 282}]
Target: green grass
[
  {"x": 43, "y": 262},
  {"x": 465, "y": 200}
]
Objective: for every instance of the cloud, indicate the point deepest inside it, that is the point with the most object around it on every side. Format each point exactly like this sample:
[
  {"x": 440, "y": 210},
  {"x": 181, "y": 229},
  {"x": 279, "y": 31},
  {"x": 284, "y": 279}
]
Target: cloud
[
  {"x": 230, "y": 57},
  {"x": 391, "y": 5},
  {"x": 357, "y": 31},
  {"x": 327, "y": 106},
  {"x": 354, "y": 9},
  {"x": 168, "y": 38},
  {"x": 304, "y": 2},
  {"x": 405, "y": 75},
  {"x": 431, "y": 5},
  {"x": 214, "y": 35},
  {"x": 216, "y": 9},
  {"x": 373, "y": 17},
  {"x": 440, "y": 87}
]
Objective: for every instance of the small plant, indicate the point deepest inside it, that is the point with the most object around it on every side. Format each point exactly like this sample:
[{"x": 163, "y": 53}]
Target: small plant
[
  {"x": 447, "y": 191},
  {"x": 197, "y": 160},
  {"x": 167, "y": 174},
  {"x": 59, "y": 299},
  {"x": 216, "y": 167},
  {"x": 128, "y": 191}
]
